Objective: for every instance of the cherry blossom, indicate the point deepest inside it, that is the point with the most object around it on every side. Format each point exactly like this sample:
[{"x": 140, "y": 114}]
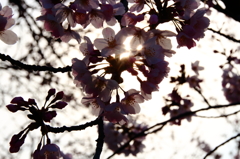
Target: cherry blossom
[
  {"x": 51, "y": 24},
  {"x": 91, "y": 55},
  {"x": 196, "y": 67},
  {"x": 152, "y": 52},
  {"x": 188, "y": 7},
  {"x": 6, "y": 21},
  {"x": 62, "y": 12},
  {"x": 130, "y": 19},
  {"x": 118, "y": 135},
  {"x": 162, "y": 37},
  {"x": 82, "y": 75},
  {"x": 50, "y": 151},
  {"x": 111, "y": 44},
  {"x": 114, "y": 114},
  {"x": 101, "y": 88},
  {"x": 70, "y": 34},
  {"x": 130, "y": 102}
]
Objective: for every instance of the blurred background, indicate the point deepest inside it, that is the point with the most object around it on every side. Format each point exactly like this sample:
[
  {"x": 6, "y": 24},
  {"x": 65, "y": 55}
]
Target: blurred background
[{"x": 190, "y": 140}]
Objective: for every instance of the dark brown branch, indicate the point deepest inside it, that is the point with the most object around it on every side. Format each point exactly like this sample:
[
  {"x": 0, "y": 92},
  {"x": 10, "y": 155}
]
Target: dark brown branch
[
  {"x": 27, "y": 67},
  {"x": 231, "y": 10},
  {"x": 162, "y": 124},
  {"x": 100, "y": 139},
  {"x": 72, "y": 128},
  {"x": 226, "y": 36},
  {"x": 205, "y": 99},
  {"x": 210, "y": 152},
  {"x": 220, "y": 116}
]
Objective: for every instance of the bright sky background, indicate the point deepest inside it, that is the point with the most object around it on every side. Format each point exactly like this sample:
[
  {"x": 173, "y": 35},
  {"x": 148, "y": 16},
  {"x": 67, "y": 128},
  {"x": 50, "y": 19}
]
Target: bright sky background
[{"x": 162, "y": 145}]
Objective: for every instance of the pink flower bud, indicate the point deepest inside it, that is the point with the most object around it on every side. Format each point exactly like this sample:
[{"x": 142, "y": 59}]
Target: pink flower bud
[
  {"x": 51, "y": 92},
  {"x": 13, "y": 107},
  {"x": 15, "y": 144},
  {"x": 47, "y": 116},
  {"x": 32, "y": 101},
  {"x": 51, "y": 151},
  {"x": 59, "y": 105},
  {"x": 19, "y": 101},
  {"x": 59, "y": 95},
  {"x": 153, "y": 19}
]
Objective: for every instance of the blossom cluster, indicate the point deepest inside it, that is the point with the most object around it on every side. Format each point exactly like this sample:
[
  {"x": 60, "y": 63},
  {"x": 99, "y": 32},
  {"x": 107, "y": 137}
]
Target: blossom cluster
[
  {"x": 38, "y": 116},
  {"x": 230, "y": 84},
  {"x": 118, "y": 136},
  {"x": 6, "y": 22},
  {"x": 99, "y": 73},
  {"x": 177, "y": 106}
]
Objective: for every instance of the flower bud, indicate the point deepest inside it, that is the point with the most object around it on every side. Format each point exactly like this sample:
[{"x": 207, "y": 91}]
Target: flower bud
[
  {"x": 59, "y": 105},
  {"x": 47, "y": 116},
  {"x": 51, "y": 92},
  {"x": 13, "y": 107}
]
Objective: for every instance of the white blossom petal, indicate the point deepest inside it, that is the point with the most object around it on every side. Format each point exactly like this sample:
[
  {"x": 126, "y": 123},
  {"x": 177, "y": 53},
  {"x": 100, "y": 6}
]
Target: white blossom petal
[{"x": 8, "y": 37}]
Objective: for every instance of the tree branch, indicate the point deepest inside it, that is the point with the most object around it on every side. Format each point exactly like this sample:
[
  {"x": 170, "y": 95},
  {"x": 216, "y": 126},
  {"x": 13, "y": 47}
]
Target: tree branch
[
  {"x": 72, "y": 128},
  {"x": 27, "y": 67},
  {"x": 220, "y": 116},
  {"x": 162, "y": 124},
  {"x": 209, "y": 153},
  {"x": 100, "y": 139},
  {"x": 226, "y": 36}
]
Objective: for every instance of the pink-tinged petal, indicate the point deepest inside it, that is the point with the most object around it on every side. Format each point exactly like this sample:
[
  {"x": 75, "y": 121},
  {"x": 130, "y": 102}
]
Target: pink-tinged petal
[
  {"x": 94, "y": 3},
  {"x": 108, "y": 34},
  {"x": 47, "y": 4},
  {"x": 55, "y": 28},
  {"x": 96, "y": 17},
  {"x": 8, "y": 37},
  {"x": 115, "y": 117},
  {"x": 10, "y": 23},
  {"x": 112, "y": 21},
  {"x": 119, "y": 9},
  {"x": 6, "y": 12},
  {"x": 112, "y": 84},
  {"x": 70, "y": 19},
  {"x": 61, "y": 12},
  {"x": 107, "y": 10},
  {"x": 168, "y": 33},
  {"x": 136, "y": 7},
  {"x": 100, "y": 43},
  {"x": 184, "y": 40},
  {"x": 80, "y": 17},
  {"x": 52, "y": 151},
  {"x": 3, "y": 22},
  {"x": 69, "y": 34},
  {"x": 153, "y": 19},
  {"x": 131, "y": 109}
]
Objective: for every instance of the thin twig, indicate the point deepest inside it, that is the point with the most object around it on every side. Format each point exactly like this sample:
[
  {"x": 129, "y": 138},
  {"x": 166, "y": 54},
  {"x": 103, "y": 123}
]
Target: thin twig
[
  {"x": 210, "y": 152},
  {"x": 226, "y": 36},
  {"x": 34, "y": 67},
  {"x": 205, "y": 99},
  {"x": 162, "y": 124},
  {"x": 72, "y": 128},
  {"x": 220, "y": 116}
]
